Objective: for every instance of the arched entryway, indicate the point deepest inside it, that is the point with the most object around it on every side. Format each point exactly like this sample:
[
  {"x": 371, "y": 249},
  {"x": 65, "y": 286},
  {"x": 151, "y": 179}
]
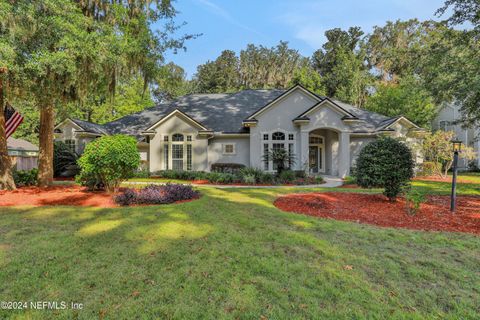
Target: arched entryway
[{"x": 323, "y": 150}]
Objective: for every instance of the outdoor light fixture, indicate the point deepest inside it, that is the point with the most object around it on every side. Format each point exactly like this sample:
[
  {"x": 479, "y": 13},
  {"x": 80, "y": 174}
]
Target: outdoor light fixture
[{"x": 457, "y": 147}]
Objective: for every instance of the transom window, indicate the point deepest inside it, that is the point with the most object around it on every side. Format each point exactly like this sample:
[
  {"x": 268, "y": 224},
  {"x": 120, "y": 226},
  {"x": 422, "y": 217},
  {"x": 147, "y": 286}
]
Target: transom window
[
  {"x": 165, "y": 138},
  {"x": 315, "y": 140},
  {"x": 265, "y": 136},
  {"x": 189, "y": 138},
  {"x": 177, "y": 137},
  {"x": 291, "y": 136},
  {"x": 278, "y": 136}
]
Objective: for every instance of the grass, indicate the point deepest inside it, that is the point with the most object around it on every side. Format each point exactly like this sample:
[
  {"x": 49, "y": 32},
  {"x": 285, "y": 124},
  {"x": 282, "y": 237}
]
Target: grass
[{"x": 231, "y": 255}]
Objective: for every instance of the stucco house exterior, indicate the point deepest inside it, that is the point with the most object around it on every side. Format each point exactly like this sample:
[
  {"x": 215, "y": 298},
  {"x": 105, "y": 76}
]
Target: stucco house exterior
[
  {"x": 447, "y": 120},
  {"x": 195, "y": 131}
]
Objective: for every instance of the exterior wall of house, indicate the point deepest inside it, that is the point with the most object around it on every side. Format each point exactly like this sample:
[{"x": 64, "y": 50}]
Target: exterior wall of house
[
  {"x": 357, "y": 143},
  {"x": 68, "y": 133},
  {"x": 216, "y": 150},
  {"x": 171, "y": 126},
  {"x": 279, "y": 118},
  {"x": 449, "y": 114}
]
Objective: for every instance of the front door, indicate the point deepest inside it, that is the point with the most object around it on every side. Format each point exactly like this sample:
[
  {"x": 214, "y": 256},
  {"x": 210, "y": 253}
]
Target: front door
[{"x": 315, "y": 156}]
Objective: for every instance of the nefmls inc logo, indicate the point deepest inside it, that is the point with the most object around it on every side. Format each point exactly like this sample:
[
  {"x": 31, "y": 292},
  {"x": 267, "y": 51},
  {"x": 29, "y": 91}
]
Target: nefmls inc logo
[{"x": 49, "y": 305}]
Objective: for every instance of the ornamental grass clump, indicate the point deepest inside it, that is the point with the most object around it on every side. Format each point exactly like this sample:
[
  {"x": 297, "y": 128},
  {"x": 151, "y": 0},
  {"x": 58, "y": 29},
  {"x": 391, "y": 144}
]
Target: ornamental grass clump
[{"x": 156, "y": 194}]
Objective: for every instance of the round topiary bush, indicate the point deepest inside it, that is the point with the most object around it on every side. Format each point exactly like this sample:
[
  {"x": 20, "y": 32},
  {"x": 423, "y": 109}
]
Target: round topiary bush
[
  {"x": 107, "y": 161},
  {"x": 385, "y": 163}
]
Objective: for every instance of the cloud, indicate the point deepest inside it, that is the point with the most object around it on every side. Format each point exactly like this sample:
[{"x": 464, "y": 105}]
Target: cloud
[{"x": 221, "y": 12}]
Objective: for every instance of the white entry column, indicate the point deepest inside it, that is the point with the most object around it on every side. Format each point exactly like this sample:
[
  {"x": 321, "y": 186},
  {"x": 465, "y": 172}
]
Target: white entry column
[
  {"x": 303, "y": 158},
  {"x": 344, "y": 154}
]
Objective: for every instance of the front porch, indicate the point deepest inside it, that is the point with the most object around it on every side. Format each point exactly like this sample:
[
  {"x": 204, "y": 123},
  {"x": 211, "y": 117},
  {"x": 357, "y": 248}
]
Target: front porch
[{"x": 325, "y": 151}]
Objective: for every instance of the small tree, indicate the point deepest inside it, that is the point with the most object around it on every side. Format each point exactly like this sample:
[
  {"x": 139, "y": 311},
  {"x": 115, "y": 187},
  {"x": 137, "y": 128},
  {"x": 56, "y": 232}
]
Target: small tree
[
  {"x": 107, "y": 161},
  {"x": 385, "y": 163},
  {"x": 437, "y": 148},
  {"x": 281, "y": 158}
]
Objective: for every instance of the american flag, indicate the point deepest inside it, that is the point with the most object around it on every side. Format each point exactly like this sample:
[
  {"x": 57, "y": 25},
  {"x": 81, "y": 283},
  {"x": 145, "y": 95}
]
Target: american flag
[{"x": 12, "y": 120}]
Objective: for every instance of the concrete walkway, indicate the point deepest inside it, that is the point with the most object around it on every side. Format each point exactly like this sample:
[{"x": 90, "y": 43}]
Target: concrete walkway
[{"x": 330, "y": 182}]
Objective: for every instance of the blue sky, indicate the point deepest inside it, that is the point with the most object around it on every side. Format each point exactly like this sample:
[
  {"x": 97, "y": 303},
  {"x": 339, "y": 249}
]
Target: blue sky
[{"x": 232, "y": 24}]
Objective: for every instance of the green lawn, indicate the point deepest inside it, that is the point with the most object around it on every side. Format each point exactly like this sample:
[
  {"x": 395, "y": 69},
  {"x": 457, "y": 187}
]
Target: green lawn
[{"x": 231, "y": 255}]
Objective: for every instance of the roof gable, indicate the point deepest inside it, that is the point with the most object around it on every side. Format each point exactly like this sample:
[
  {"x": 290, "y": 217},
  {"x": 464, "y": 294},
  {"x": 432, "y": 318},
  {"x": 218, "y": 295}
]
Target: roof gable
[
  {"x": 330, "y": 103},
  {"x": 280, "y": 98},
  {"x": 182, "y": 116}
]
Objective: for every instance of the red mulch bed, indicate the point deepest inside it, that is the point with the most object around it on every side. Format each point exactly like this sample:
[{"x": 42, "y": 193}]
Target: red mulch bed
[
  {"x": 434, "y": 214},
  {"x": 58, "y": 195}
]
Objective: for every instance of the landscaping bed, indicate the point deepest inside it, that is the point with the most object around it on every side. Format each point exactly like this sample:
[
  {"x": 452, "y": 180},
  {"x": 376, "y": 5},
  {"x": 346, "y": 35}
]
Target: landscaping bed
[
  {"x": 65, "y": 196},
  {"x": 58, "y": 195},
  {"x": 375, "y": 209}
]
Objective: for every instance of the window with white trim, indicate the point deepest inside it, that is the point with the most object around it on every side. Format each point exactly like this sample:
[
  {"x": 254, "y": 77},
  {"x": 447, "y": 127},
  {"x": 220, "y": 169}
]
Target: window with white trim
[
  {"x": 189, "y": 157},
  {"x": 71, "y": 144},
  {"x": 275, "y": 141},
  {"x": 228, "y": 148},
  {"x": 178, "y": 152},
  {"x": 165, "y": 156},
  {"x": 445, "y": 125}
]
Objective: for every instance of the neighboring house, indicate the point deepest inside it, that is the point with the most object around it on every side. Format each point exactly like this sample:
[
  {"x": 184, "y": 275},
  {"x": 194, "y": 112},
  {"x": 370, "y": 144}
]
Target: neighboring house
[
  {"x": 23, "y": 153},
  {"x": 195, "y": 131},
  {"x": 447, "y": 121}
]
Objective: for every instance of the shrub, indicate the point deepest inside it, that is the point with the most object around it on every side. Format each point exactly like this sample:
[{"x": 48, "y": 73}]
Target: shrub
[
  {"x": 156, "y": 194},
  {"x": 300, "y": 174},
  {"x": 249, "y": 179},
  {"x": 430, "y": 168},
  {"x": 413, "y": 199},
  {"x": 227, "y": 167},
  {"x": 349, "y": 180},
  {"x": 108, "y": 161},
  {"x": 281, "y": 158},
  {"x": 24, "y": 178},
  {"x": 126, "y": 198},
  {"x": 287, "y": 176},
  {"x": 267, "y": 178},
  {"x": 141, "y": 173},
  {"x": 219, "y": 177},
  {"x": 251, "y": 172},
  {"x": 385, "y": 163},
  {"x": 180, "y": 175},
  {"x": 64, "y": 160}
]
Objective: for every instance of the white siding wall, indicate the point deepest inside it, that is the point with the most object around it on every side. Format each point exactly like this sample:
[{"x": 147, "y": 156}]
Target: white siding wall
[
  {"x": 216, "y": 155},
  {"x": 279, "y": 117},
  {"x": 177, "y": 125}
]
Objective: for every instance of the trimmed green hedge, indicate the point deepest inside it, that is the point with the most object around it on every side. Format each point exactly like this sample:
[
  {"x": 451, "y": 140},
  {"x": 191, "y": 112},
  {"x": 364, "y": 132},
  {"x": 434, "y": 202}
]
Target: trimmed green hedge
[{"x": 245, "y": 175}]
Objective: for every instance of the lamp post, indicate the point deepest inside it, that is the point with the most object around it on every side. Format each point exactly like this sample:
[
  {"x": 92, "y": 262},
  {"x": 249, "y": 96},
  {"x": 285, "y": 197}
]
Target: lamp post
[{"x": 457, "y": 146}]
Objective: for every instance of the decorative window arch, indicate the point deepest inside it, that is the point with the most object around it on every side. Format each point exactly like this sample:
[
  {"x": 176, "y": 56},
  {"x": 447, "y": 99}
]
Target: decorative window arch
[
  {"x": 177, "y": 137},
  {"x": 278, "y": 136}
]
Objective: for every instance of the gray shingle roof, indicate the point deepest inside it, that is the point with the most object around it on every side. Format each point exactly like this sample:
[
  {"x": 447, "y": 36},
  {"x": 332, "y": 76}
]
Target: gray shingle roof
[
  {"x": 20, "y": 144},
  {"x": 90, "y": 126},
  {"x": 370, "y": 121},
  {"x": 221, "y": 112}
]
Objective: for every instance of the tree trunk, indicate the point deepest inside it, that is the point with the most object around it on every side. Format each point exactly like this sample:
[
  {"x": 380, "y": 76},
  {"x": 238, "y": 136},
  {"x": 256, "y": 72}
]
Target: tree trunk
[
  {"x": 45, "y": 159},
  {"x": 6, "y": 177}
]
